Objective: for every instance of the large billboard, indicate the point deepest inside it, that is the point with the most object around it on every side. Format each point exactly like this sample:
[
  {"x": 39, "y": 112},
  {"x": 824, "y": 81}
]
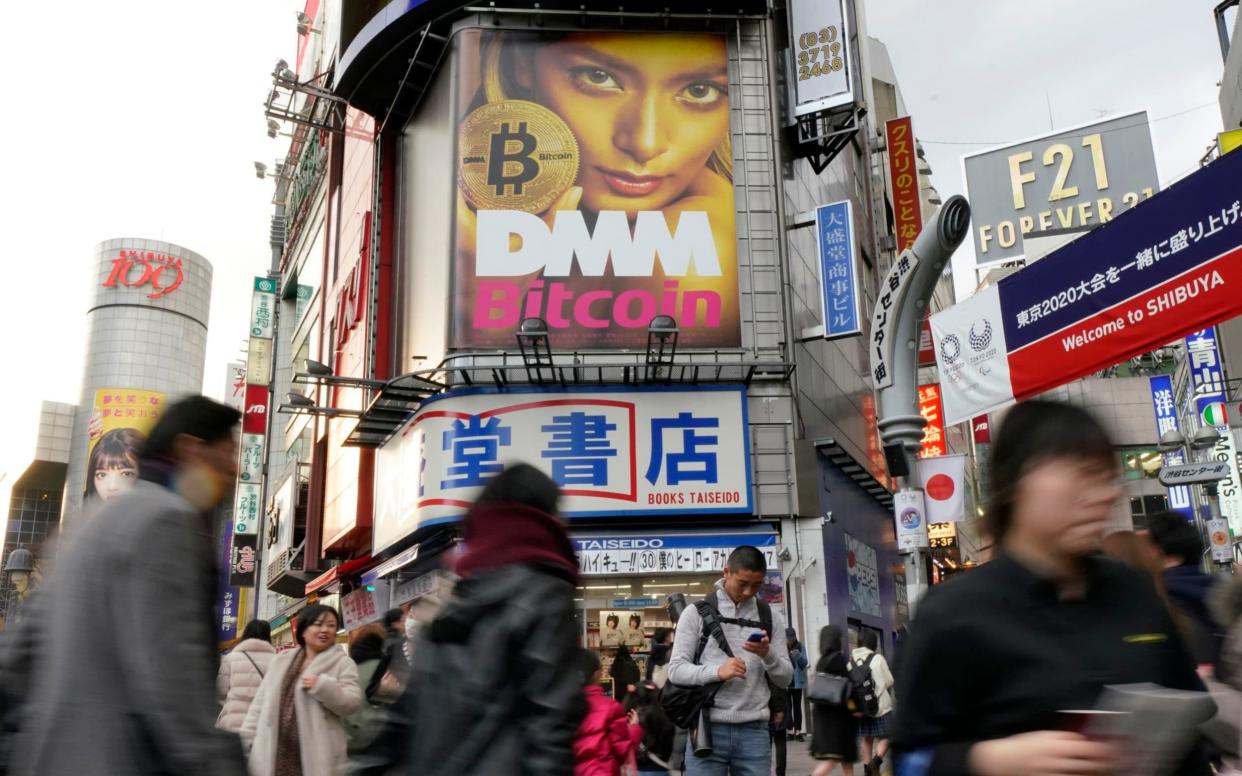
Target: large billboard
[
  {"x": 614, "y": 452},
  {"x": 595, "y": 188},
  {"x": 120, "y": 420},
  {"x": 819, "y": 41},
  {"x": 1074, "y": 179}
]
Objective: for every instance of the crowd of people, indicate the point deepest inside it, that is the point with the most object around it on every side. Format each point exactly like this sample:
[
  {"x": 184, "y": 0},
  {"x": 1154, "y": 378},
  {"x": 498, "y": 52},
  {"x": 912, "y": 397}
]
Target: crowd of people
[{"x": 995, "y": 676}]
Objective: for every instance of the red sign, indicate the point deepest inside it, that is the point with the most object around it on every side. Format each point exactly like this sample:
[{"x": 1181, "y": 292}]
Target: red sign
[
  {"x": 351, "y": 303},
  {"x": 135, "y": 269},
  {"x": 254, "y": 415},
  {"x": 927, "y": 351},
  {"x": 933, "y": 413},
  {"x": 982, "y": 428},
  {"x": 904, "y": 176}
]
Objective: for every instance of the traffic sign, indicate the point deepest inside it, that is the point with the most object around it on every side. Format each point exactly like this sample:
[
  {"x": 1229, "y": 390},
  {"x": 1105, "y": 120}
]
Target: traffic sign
[{"x": 1191, "y": 473}]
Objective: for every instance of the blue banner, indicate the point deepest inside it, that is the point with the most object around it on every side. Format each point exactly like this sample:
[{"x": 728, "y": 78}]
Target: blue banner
[
  {"x": 1206, "y": 375},
  {"x": 1165, "y": 405},
  {"x": 834, "y": 234},
  {"x": 626, "y": 542}
]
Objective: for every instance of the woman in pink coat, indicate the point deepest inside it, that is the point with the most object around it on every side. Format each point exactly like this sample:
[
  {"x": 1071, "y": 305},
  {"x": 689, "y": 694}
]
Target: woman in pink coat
[{"x": 607, "y": 738}]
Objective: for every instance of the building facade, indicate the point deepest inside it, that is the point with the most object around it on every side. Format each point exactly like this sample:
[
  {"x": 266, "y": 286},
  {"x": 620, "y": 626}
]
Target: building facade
[
  {"x": 586, "y": 240},
  {"x": 146, "y": 343}
]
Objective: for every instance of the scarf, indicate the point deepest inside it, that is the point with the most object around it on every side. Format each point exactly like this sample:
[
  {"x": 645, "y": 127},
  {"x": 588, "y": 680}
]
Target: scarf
[
  {"x": 499, "y": 535},
  {"x": 288, "y": 745}
]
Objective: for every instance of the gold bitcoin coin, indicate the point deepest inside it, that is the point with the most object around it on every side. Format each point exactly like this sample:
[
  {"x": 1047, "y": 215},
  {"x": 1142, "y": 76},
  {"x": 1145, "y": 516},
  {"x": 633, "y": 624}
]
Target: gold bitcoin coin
[{"x": 515, "y": 155}]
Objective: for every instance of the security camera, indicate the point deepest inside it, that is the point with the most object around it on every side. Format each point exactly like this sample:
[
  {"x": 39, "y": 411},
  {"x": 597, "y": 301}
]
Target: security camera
[
  {"x": 281, "y": 66},
  {"x": 273, "y": 127},
  {"x": 260, "y": 170},
  {"x": 784, "y": 555},
  {"x": 826, "y": 518}
]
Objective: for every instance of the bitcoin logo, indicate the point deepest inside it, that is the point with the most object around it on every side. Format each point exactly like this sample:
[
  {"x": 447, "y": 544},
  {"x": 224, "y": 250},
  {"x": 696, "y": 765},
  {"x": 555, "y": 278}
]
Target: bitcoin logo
[{"x": 515, "y": 155}]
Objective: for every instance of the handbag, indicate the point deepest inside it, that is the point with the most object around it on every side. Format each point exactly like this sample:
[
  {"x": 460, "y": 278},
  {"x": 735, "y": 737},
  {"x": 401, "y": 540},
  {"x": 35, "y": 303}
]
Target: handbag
[
  {"x": 682, "y": 704},
  {"x": 829, "y": 689}
]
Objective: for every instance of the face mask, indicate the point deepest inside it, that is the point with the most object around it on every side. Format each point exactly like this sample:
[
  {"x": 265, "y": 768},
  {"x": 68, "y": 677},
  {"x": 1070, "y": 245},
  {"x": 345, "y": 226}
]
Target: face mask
[
  {"x": 411, "y": 627},
  {"x": 198, "y": 485}
]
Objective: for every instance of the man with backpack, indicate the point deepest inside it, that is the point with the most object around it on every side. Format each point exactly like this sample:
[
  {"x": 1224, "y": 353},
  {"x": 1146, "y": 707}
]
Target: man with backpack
[
  {"x": 873, "y": 698},
  {"x": 755, "y": 637}
]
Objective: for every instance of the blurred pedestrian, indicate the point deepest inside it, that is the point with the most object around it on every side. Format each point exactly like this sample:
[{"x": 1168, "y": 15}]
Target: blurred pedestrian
[
  {"x": 1178, "y": 549},
  {"x": 380, "y": 689},
  {"x": 608, "y": 737},
  {"x": 241, "y": 673},
  {"x": 834, "y": 729},
  {"x": 779, "y": 726},
  {"x": 875, "y": 730},
  {"x": 295, "y": 725},
  {"x": 797, "y": 657},
  {"x": 657, "y": 661},
  {"x": 995, "y": 656},
  {"x": 125, "y": 676},
  {"x": 655, "y": 751},
  {"x": 624, "y": 673},
  {"x": 395, "y": 642},
  {"x": 489, "y": 691}
]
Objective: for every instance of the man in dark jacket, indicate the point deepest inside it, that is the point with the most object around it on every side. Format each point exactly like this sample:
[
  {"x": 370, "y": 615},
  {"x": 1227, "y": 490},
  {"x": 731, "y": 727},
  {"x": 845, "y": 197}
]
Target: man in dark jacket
[
  {"x": 1179, "y": 551},
  {"x": 492, "y": 689},
  {"x": 126, "y": 669}
]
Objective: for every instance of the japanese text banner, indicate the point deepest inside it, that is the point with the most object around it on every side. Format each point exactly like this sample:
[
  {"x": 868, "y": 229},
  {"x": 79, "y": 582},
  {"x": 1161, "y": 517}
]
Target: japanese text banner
[
  {"x": 1171, "y": 266},
  {"x": 614, "y": 452}
]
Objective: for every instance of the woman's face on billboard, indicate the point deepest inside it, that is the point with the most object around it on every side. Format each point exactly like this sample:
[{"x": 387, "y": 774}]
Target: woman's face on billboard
[
  {"x": 648, "y": 111},
  {"x": 114, "y": 481}
]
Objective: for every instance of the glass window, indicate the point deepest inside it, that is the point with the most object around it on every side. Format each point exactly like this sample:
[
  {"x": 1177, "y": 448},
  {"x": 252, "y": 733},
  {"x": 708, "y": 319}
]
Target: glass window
[{"x": 1143, "y": 464}]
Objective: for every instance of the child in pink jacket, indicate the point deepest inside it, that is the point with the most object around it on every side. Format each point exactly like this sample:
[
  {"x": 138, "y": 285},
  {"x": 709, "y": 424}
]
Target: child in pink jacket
[{"x": 607, "y": 738}]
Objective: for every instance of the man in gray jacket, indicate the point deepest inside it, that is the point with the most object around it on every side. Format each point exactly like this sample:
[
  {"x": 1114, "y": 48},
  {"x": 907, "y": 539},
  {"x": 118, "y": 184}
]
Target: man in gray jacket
[
  {"x": 124, "y": 680},
  {"x": 741, "y": 744}
]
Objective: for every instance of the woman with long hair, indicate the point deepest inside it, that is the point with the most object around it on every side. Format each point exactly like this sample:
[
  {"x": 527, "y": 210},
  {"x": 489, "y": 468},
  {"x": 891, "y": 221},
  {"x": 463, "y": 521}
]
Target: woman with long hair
[
  {"x": 834, "y": 729},
  {"x": 996, "y": 658},
  {"x": 624, "y": 673},
  {"x": 294, "y": 727},
  {"x": 241, "y": 673},
  {"x": 655, "y": 751},
  {"x": 113, "y": 465}
]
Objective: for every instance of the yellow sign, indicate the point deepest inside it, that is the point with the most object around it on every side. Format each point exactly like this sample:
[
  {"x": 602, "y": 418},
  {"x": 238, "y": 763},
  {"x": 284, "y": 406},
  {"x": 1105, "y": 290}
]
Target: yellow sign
[
  {"x": 119, "y": 424},
  {"x": 1229, "y": 140}
]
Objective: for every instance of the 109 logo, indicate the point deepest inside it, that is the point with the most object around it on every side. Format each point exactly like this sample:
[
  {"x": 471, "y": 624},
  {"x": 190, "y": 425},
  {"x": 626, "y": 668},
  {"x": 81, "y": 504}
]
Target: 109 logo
[{"x": 133, "y": 269}]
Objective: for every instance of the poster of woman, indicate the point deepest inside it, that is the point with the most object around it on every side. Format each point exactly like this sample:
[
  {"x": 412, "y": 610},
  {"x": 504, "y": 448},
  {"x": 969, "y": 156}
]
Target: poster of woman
[
  {"x": 595, "y": 188},
  {"x": 118, "y": 427}
]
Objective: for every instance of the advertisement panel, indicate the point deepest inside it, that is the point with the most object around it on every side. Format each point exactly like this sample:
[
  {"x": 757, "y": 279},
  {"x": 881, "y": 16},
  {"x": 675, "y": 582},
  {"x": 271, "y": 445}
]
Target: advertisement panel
[
  {"x": 250, "y": 467},
  {"x": 228, "y": 600},
  {"x": 838, "y": 270},
  {"x": 1164, "y": 404},
  {"x": 254, "y": 416},
  {"x": 911, "y": 520},
  {"x": 235, "y": 386},
  {"x": 1073, "y": 179},
  {"x": 666, "y": 554},
  {"x": 864, "y": 577},
  {"x": 904, "y": 180},
  {"x": 819, "y": 41},
  {"x": 243, "y": 561},
  {"x": 613, "y": 451},
  {"x": 120, "y": 420},
  {"x": 263, "y": 308},
  {"x": 1207, "y": 380},
  {"x": 1170, "y": 267},
  {"x": 595, "y": 188},
  {"x": 933, "y": 413},
  {"x": 248, "y": 509}
]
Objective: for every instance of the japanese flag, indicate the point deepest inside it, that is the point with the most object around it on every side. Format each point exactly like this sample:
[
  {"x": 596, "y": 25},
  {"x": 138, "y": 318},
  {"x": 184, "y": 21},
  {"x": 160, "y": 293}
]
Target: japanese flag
[{"x": 944, "y": 486}]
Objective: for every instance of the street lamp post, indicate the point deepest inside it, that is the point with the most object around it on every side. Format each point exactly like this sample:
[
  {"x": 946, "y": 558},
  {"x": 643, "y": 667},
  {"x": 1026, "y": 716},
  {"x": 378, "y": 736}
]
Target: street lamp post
[
  {"x": 18, "y": 569},
  {"x": 1204, "y": 438}
]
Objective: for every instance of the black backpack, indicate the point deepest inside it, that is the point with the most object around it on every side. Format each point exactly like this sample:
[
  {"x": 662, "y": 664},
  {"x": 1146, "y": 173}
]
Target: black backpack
[{"x": 864, "y": 697}]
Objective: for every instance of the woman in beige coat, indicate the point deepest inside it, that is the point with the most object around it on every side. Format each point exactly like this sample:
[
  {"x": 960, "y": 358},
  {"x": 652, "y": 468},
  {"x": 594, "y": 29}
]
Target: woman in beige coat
[
  {"x": 241, "y": 673},
  {"x": 294, "y": 726}
]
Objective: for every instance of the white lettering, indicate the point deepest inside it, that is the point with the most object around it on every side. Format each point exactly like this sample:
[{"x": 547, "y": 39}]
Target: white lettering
[{"x": 554, "y": 250}]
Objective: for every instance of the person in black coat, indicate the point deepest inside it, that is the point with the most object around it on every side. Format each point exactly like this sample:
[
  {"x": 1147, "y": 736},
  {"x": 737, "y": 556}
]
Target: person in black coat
[
  {"x": 492, "y": 691},
  {"x": 995, "y": 657},
  {"x": 624, "y": 673},
  {"x": 834, "y": 729}
]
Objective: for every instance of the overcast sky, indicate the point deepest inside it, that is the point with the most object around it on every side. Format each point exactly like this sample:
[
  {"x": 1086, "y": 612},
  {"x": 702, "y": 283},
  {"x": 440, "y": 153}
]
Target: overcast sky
[
  {"x": 981, "y": 73},
  {"x": 142, "y": 118}
]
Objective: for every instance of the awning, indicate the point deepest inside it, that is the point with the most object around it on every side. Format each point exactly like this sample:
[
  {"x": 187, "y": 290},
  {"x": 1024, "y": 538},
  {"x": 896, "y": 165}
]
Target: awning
[
  {"x": 336, "y": 572},
  {"x": 398, "y": 561}
]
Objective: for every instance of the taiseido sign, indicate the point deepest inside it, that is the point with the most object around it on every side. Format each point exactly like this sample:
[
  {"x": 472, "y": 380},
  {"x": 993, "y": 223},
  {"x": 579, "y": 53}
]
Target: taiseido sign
[{"x": 160, "y": 273}]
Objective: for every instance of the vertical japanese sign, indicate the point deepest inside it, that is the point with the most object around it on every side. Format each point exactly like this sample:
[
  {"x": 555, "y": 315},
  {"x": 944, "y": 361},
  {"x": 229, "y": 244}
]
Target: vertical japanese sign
[
  {"x": 564, "y": 214},
  {"x": 228, "y": 610},
  {"x": 819, "y": 41},
  {"x": 904, "y": 179},
  {"x": 235, "y": 386},
  {"x": 248, "y": 509},
  {"x": 933, "y": 413},
  {"x": 1165, "y": 405},
  {"x": 1208, "y": 382},
  {"x": 243, "y": 560},
  {"x": 120, "y": 420},
  {"x": 613, "y": 452},
  {"x": 263, "y": 308},
  {"x": 838, "y": 270}
]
